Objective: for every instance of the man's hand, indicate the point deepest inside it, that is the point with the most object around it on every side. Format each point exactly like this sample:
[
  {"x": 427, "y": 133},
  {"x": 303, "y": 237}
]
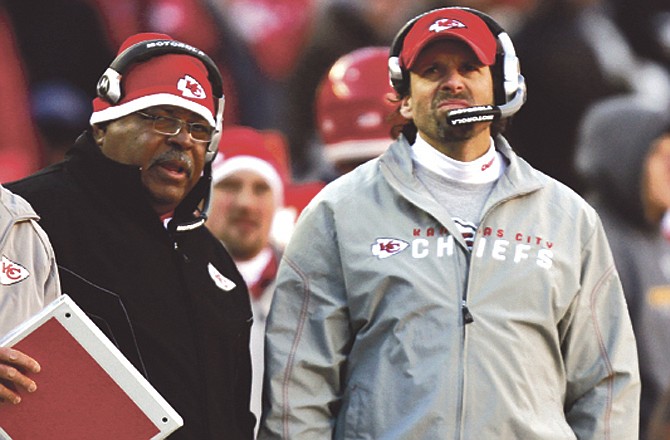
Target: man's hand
[{"x": 13, "y": 366}]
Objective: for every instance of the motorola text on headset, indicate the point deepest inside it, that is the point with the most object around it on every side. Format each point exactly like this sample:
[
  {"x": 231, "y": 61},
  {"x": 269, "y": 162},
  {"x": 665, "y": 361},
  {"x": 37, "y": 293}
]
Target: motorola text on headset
[
  {"x": 109, "y": 88},
  {"x": 514, "y": 84}
]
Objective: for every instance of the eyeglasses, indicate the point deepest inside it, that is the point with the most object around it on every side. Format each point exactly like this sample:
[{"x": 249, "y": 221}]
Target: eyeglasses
[{"x": 171, "y": 126}]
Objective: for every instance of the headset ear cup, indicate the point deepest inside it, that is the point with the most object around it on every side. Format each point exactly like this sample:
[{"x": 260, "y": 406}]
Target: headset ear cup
[
  {"x": 498, "y": 71},
  {"x": 397, "y": 75},
  {"x": 109, "y": 86},
  {"x": 512, "y": 73},
  {"x": 510, "y": 65},
  {"x": 213, "y": 146}
]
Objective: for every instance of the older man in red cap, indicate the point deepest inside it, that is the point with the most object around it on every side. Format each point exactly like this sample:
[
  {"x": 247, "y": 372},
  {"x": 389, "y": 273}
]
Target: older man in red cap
[
  {"x": 448, "y": 290},
  {"x": 125, "y": 212}
]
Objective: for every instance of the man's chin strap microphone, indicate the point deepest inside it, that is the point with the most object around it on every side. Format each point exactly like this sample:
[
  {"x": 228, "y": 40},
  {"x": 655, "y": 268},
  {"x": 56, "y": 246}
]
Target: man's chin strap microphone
[
  {"x": 483, "y": 113},
  {"x": 470, "y": 115},
  {"x": 193, "y": 210}
]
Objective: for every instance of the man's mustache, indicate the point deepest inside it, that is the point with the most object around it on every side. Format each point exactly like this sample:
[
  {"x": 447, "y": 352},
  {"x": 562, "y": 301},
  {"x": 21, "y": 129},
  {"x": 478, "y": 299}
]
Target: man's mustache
[{"x": 174, "y": 155}]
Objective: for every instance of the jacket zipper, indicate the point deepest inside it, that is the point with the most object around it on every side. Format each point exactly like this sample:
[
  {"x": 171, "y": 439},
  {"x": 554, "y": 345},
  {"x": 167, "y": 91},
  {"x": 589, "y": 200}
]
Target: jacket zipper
[{"x": 467, "y": 316}]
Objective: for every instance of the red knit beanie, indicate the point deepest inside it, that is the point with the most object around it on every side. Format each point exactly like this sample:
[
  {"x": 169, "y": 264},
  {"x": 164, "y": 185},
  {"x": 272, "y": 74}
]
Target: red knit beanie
[{"x": 171, "y": 79}]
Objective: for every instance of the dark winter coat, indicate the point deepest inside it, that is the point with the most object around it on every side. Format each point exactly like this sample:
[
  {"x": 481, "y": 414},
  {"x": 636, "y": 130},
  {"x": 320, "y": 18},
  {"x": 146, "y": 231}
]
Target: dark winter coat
[{"x": 149, "y": 289}]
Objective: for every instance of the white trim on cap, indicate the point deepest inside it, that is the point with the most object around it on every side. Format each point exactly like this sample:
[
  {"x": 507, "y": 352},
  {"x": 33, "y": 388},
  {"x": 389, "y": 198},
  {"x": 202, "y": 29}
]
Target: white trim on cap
[
  {"x": 143, "y": 102},
  {"x": 254, "y": 164},
  {"x": 355, "y": 149}
]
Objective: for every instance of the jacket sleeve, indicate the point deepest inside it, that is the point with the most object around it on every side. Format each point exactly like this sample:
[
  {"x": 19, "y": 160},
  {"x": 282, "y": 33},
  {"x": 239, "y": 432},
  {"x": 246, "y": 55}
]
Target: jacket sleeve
[
  {"x": 603, "y": 384},
  {"x": 27, "y": 246},
  {"x": 50, "y": 278},
  {"x": 307, "y": 335}
]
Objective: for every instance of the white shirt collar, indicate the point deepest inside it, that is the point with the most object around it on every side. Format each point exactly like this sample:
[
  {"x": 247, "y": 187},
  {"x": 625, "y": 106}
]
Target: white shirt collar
[
  {"x": 485, "y": 169},
  {"x": 251, "y": 270}
]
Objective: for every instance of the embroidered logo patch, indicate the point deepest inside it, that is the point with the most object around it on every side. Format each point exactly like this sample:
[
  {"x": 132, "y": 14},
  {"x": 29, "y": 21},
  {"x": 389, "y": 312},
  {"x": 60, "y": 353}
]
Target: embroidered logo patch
[
  {"x": 386, "y": 247},
  {"x": 12, "y": 272},
  {"x": 221, "y": 282},
  {"x": 190, "y": 88},
  {"x": 444, "y": 24}
]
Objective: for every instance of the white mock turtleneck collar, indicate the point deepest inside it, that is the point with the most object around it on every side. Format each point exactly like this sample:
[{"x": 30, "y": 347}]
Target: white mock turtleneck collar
[{"x": 484, "y": 169}]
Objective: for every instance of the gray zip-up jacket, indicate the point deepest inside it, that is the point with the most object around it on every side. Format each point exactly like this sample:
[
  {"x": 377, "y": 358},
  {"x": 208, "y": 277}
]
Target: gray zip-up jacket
[
  {"x": 28, "y": 273},
  {"x": 384, "y": 326}
]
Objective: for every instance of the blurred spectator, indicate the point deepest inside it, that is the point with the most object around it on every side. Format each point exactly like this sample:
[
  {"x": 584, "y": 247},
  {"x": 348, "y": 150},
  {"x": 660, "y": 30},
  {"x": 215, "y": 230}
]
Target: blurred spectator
[
  {"x": 354, "y": 111},
  {"x": 248, "y": 181},
  {"x": 58, "y": 109},
  {"x": 120, "y": 18},
  {"x": 647, "y": 25},
  {"x": 623, "y": 154},
  {"x": 20, "y": 150},
  {"x": 341, "y": 26},
  {"x": 65, "y": 50},
  {"x": 275, "y": 31},
  {"x": 253, "y": 211},
  {"x": 61, "y": 39},
  {"x": 573, "y": 55},
  {"x": 509, "y": 14},
  {"x": 297, "y": 197},
  {"x": 659, "y": 428},
  {"x": 262, "y": 41}
]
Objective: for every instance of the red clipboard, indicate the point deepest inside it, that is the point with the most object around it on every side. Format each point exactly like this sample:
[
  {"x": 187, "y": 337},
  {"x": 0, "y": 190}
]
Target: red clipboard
[{"x": 86, "y": 389}]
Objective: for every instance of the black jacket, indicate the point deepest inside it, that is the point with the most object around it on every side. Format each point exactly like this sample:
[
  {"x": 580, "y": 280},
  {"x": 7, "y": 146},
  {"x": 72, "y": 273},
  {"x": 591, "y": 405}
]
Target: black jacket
[{"x": 150, "y": 290}]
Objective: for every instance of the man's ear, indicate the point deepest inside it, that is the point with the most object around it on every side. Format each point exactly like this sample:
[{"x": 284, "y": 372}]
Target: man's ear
[
  {"x": 406, "y": 107},
  {"x": 98, "y": 132}
]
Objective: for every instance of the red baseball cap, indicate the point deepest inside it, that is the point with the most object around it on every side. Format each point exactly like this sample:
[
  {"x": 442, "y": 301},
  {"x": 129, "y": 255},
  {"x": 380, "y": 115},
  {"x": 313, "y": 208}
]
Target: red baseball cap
[{"x": 449, "y": 23}]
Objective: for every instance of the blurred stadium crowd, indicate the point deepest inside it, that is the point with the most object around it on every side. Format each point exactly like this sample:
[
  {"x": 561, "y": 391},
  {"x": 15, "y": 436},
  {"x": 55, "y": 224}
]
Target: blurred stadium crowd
[{"x": 273, "y": 54}]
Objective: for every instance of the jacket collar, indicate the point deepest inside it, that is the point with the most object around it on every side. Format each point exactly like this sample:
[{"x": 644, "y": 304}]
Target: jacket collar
[
  {"x": 519, "y": 177},
  {"x": 117, "y": 182},
  {"x": 12, "y": 209},
  {"x": 398, "y": 170}
]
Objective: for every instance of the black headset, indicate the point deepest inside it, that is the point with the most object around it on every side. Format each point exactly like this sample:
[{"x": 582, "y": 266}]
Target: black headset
[
  {"x": 514, "y": 84},
  {"x": 109, "y": 84},
  {"x": 109, "y": 89}
]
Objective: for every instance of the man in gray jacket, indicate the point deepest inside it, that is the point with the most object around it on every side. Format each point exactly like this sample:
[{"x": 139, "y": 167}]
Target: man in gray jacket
[
  {"x": 448, "y": 290},
  {"x": 28, "y": 281}
]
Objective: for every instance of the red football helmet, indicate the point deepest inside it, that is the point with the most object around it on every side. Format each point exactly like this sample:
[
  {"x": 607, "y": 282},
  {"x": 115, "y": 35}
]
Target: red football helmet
[{"x": 353, "y": 110}]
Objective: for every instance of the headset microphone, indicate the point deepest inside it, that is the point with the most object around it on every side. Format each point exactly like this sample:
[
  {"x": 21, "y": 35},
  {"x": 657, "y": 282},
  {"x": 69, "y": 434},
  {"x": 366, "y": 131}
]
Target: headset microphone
[
  {"x": 482, "y": 113},
  {"x": 470, "y": 115}
]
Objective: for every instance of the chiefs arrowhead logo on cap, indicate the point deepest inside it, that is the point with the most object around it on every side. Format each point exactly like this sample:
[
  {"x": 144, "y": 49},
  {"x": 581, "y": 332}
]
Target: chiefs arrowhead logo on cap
[
  {"x": 449, "y": 23},
  {"x": 190, "y": 88},
  {"x": 446, "y": 24}
]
